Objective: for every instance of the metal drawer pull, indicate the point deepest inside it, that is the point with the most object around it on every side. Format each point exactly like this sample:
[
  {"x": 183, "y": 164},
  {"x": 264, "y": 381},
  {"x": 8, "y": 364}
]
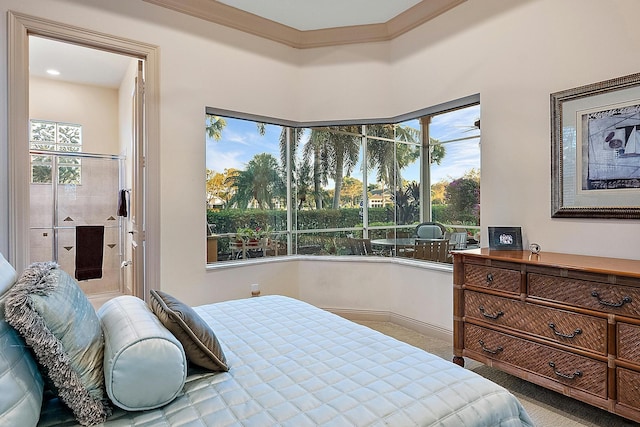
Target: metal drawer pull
[
  {"x": 625, "y": 300},
  {"x": 560, "y": 334},
  {"x": 490, "y": 316},
  {"x": 488, "y": 350},
  {"x": 489, "y": 278},
  {"x": 567, "y": 376}
]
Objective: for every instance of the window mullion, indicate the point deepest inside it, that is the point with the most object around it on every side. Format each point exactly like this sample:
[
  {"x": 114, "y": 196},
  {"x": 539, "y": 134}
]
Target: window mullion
[
  {"x": 290, "y": 205},
  {"x": 365, "y": 196},
  {"x": 425, "y": 170}
]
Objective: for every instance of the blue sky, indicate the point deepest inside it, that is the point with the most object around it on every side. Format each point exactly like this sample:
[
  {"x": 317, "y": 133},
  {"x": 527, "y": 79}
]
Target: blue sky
[{"x": 241, "y": 141}]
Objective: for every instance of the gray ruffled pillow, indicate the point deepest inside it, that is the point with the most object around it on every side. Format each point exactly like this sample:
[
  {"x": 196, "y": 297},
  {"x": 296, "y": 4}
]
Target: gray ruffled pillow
[
  {"x": 49, "y": 310},
  {"x": 200, "y": 343}
]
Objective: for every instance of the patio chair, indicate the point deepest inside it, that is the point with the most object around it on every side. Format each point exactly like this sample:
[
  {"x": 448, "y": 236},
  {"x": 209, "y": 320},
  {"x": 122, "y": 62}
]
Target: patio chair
[
  {"x": 431, "y": 250},
  {"x": 430, "y": 230},
  {"x": 360, "y": 246},
  {"x": 458, "y": 240}
]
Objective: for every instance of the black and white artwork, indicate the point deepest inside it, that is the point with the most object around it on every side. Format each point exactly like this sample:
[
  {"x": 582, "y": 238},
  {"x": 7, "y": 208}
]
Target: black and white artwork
[
  {"x": 611, "y": 148},
  {"x": 595, "y": 150}
]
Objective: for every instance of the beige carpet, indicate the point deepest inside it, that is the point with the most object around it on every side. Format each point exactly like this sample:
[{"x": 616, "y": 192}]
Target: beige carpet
[{"x": 546, "y": 408}]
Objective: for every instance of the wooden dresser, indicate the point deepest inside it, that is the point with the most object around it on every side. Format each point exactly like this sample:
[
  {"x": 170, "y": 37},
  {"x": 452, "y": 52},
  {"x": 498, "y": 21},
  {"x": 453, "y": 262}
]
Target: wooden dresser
[{"x": 569, "y": 323}]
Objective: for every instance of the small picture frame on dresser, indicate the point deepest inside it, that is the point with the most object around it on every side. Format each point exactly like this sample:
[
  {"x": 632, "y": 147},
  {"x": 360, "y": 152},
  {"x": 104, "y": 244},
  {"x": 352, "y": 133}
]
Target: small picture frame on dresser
[{"x": 505, "y": 238}]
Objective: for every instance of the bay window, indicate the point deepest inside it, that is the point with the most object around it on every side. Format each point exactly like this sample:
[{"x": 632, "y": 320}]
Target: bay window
[{"x": 276, "y": 190}]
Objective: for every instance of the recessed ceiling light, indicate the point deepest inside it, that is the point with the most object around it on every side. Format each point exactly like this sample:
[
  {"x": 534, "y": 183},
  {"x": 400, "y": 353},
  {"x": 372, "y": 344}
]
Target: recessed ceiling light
[{"x": 53, "y": 72}]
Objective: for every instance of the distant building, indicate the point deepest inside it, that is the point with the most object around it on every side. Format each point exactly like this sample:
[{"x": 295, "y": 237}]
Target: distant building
[{"x": 380, "y": 198}]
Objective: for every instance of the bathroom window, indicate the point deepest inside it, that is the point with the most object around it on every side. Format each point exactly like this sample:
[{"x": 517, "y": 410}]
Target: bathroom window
[{"x": 59, "y": 137}]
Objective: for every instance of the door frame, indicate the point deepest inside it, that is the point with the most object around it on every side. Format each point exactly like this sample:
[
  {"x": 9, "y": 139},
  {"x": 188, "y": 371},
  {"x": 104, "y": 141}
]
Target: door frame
[{"x": 20, "y": 27}]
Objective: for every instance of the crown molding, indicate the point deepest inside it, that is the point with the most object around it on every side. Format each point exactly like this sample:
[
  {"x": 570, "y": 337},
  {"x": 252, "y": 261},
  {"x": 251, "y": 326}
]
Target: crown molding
[{"x": 220, "y": 13}]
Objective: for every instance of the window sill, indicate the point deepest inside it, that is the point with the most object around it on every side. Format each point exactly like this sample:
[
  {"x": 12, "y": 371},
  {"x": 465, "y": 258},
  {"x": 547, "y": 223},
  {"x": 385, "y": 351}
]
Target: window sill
[{"x": 223, "y": 265}]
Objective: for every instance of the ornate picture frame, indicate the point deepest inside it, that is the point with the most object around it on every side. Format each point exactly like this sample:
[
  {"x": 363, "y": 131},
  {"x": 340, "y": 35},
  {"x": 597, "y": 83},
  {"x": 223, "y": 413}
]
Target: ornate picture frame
[{"x": 595, "y": 150}]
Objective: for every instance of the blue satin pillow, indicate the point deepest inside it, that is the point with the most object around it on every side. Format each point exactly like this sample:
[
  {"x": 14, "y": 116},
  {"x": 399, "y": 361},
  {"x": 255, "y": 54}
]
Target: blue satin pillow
[
  {"x": 55, "y": 318},
  {"x": 144, "y": 364},
  {"x": 21, "y": 384}
]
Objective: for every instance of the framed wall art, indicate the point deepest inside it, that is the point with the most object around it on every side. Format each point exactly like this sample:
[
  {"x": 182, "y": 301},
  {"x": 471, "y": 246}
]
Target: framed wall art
[
  {"x": 595, "y": 150},
  {"x": 505, "y": 238}
]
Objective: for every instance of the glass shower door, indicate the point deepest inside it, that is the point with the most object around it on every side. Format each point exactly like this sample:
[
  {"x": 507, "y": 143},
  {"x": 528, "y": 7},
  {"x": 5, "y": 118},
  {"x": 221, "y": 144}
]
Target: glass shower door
[{"x": 85, "y": 193}]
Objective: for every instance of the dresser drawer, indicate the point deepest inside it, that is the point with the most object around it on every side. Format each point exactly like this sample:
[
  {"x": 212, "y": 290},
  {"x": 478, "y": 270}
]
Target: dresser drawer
[
  {"x": 628, "y": 387},
  {"x": 583, "y": 293},
  {"x": 629, "y": 342},
  {"x": 567, "y": 368},
  {"x": 577, "y": 330},
  {"x": 492, "y": 278}
]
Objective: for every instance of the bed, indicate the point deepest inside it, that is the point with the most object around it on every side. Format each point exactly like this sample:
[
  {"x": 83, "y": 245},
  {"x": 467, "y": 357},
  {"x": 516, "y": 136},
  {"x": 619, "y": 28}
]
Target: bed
[{"x": 292, "y": 364}]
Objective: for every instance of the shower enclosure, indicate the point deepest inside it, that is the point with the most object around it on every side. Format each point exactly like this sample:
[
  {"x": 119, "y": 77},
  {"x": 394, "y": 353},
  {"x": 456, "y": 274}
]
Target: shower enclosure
[{"x": 75, "y": 189}]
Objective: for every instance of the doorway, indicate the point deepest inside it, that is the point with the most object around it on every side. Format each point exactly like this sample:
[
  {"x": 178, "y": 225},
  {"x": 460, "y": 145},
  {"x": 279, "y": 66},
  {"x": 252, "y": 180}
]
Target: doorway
[
  {"x": 80, "y": 146},
  {"x": 141, "y": 254}
]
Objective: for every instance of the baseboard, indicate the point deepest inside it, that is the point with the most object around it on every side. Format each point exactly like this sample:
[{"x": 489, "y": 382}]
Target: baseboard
[{"x": 398, "y": 319}]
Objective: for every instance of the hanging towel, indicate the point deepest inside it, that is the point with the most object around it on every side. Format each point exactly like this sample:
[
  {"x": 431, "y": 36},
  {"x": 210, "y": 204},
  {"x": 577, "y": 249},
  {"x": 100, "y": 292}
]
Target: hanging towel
[
  {"x": 122, "y": 203},
  {"x": 89, "y": 250}
]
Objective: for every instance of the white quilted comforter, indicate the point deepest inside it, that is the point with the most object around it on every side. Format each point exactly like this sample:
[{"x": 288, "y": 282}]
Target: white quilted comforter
[{"x": 292, "y": 364}]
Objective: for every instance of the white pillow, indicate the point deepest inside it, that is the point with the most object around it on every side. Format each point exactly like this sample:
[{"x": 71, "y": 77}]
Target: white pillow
[
  {"x": 8, "y": 277},
  {"x": 145, "y": 366}
]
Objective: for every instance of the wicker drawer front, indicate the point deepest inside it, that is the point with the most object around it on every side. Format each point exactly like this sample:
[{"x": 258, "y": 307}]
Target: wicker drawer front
[
  {"x": 570, "y": 369},
  {"x": 578, "y": 330},
  {"x": 492, "y": 278},
  {"x": 628, "y": 387},
  {"x": 599, "y": 296},
  {"x": 629, "y": 342}
]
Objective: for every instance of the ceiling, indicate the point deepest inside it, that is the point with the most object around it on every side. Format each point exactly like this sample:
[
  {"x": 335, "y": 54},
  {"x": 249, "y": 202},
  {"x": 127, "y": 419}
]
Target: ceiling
[
  {"x": 312, "y": 23},
  {"x": 305, "y": 15},
  {"x": 76, "y": 63}
]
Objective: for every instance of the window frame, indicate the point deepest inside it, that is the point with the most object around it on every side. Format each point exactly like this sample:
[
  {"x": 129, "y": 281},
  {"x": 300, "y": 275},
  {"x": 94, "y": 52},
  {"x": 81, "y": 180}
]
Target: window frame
[
  {"x": 56, "y": 146},
  {"x": 425, "y": 181}
]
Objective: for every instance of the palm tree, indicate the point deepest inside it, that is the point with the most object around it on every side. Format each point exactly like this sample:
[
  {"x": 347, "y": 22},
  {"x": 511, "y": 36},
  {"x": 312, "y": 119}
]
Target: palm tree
[
  {"x": 390, "y": 158},
  {"x": 295, "y": 135},
  {"x": 407, "y": 204},
  {"x": 313, "y": 153},
  {"x": 214, "y": 126},
  {"x": 261, "y": 183},
  {"x": 303, "y": 184},
  {"x": 330, "y": 154},
  {"x": 437, "y": 151},
  {"x": 338, "y": 154}
]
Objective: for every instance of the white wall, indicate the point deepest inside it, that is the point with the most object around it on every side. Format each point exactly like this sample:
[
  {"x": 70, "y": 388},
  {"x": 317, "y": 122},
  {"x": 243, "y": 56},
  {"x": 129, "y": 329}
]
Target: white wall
[
  {"x": 410, "y": 291},
  {"x": 513, "y": 53},
  {"x": 94, "y": 108},
  {"x": 407, "y": 290}
]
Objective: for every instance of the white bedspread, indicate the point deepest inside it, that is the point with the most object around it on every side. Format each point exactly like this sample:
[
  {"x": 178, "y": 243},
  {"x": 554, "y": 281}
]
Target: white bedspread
[{"x": 292, "y": 364}]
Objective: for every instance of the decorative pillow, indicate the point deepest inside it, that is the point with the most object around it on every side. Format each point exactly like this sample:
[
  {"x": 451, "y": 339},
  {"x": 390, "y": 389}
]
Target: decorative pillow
[
  {"x": 55, "y": 318},
  {"x": 197, "y": 338},
  {"x": 144, "y": 364},
  {"x": 21, "y": 384}
]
